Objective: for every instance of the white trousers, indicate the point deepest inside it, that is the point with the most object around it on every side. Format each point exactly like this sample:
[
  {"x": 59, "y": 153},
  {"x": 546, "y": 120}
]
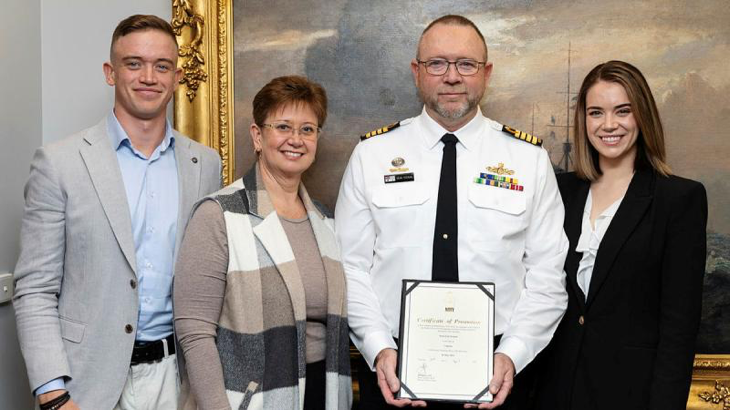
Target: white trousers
[{"x": 151, "y": 386}]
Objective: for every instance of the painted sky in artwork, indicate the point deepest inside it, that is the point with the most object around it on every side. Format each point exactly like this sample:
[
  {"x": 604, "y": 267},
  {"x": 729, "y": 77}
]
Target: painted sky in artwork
[{"x": 360, "y": 52}]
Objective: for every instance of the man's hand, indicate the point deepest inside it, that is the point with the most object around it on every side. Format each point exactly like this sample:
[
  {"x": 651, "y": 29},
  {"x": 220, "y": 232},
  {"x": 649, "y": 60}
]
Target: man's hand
[
  {"x": 385, "y": 364},
  {"x": 46, "y": 397},
  {"x": 501, "y": 384}
]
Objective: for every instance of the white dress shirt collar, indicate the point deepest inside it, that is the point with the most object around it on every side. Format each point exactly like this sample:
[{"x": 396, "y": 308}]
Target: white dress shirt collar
[
  {"x": 590, "y": 240},
  {"x": 468, "y": 134}
]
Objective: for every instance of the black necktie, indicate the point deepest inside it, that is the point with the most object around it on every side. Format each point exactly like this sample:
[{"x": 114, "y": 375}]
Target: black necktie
[{"x": 445, "y": 258}]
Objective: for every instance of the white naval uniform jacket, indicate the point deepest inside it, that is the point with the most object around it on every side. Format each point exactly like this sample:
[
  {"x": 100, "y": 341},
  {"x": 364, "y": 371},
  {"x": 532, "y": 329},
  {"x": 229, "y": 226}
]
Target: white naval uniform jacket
[{"x": 512, "y": 238}]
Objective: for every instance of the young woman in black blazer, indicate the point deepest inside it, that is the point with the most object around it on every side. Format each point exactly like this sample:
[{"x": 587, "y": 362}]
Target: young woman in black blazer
[{"x": 636, "y": 259}]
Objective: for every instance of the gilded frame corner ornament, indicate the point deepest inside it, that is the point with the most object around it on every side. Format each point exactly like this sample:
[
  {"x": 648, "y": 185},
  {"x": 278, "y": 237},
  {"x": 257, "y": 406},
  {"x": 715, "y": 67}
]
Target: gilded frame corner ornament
[
  {"x": 721, "y": 395},
  {"x": 204, "y": 99},
  {"x": 192, "y": 58},
  {"x": 710, "y": 382}
]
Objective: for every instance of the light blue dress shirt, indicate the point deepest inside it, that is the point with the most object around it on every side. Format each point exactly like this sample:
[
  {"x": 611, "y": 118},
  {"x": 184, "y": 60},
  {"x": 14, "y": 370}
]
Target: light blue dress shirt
[
  {"x": 152, "y": 193},
  {"x": 151, "y": 186}
]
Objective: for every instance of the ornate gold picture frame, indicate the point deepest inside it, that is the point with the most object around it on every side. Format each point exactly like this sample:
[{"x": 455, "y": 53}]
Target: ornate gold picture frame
[
  {"x": 204, "y": 99},
  {"x": 204, "y": 111},
  {"x": 710, "y": 382}
]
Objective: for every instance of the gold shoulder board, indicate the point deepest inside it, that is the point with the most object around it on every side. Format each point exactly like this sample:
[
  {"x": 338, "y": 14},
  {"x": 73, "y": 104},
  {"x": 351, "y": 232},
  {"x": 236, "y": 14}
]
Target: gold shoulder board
[
  {"x": 520, "y": 135},
  {"x": 380, "y": 131}
]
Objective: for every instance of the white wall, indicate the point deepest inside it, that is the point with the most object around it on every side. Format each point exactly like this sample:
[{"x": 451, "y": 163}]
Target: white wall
[
  {"x": 75, "y": 43},
  {"x": 20, "y": 134},
  {"x": 51, "y": 54}
]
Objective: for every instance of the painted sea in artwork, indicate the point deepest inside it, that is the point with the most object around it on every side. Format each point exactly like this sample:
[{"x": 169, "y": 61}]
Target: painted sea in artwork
[{"x": 360, "y": 52}]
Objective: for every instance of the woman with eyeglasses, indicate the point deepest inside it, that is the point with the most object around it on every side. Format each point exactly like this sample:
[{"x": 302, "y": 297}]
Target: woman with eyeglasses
[
  {"x": 636, "y": 260},
  {"x": 260, "y": 307}
]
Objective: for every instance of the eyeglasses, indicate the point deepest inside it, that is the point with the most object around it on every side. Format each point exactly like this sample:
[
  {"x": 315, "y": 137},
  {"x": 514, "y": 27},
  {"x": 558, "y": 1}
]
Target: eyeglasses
[
  {"x": 306, "y": 131},
  {"x": 464, "y": 66}
]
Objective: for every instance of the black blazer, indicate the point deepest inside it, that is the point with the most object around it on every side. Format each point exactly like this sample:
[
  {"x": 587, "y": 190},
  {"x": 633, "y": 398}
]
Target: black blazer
[{"x": 630, "y": 344}]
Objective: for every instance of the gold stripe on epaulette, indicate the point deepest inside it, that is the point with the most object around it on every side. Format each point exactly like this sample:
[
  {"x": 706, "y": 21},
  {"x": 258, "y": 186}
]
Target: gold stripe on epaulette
[
  {"x": 521, "y": 135},
  {"x": 380, "y": 131}
]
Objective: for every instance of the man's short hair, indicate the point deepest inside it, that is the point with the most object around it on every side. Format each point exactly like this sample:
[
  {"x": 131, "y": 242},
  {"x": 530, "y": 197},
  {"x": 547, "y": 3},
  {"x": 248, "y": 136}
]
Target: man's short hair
[
  {"x": 141, "y": 22},
  {"x": 454, "y": 20}
]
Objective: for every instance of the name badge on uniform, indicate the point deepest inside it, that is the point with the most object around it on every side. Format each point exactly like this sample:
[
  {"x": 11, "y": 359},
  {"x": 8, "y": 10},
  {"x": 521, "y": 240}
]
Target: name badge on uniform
[
  {"x": 390, "y": 179},
  {"x": 402, "y": 176}
]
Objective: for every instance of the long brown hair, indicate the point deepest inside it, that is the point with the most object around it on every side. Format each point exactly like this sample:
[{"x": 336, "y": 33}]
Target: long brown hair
[{"x": 650, "y": 149}]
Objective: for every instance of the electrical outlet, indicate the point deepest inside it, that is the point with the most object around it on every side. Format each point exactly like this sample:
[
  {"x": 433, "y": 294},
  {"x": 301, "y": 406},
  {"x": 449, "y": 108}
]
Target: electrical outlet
[{"x": 6, "y": 287}]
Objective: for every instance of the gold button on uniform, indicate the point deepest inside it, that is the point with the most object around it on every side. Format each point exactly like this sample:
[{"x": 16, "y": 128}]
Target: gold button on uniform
[
  {"x": 128, "y": 328},
  {"x": 581, "y": 320}
]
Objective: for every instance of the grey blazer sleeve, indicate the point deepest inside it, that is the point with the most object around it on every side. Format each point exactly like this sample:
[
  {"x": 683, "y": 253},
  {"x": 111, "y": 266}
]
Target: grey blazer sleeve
[
  {"x": 39, "y": 273},
  {"x": 211, "y": 180}
]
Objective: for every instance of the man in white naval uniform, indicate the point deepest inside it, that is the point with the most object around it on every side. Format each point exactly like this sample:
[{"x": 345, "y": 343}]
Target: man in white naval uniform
[{"x": 510, "y": 218}]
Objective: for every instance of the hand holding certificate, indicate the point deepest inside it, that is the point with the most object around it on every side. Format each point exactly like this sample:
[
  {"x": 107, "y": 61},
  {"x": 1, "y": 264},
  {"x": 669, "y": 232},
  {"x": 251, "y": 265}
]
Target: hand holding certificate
[{"x": 446, "y": 341}]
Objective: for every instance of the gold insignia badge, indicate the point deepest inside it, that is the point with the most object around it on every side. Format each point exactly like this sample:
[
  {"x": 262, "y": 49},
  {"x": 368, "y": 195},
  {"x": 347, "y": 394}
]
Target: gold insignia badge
[
  {"x": 501, "y": 170},
  {"x": 398, "y": 163}
]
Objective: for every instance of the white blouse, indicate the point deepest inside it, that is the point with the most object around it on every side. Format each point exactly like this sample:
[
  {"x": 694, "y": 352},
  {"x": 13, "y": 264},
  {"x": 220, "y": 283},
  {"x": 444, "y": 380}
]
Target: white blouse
[{"x": 590, "y": 239}]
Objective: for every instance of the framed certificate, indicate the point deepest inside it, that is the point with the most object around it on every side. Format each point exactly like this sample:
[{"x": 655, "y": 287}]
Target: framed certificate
[{"x": 446, "y": 345}]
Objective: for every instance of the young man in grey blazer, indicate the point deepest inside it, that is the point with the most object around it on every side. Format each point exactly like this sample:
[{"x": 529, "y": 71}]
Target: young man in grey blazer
[{"x": 105, "y": 210}]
